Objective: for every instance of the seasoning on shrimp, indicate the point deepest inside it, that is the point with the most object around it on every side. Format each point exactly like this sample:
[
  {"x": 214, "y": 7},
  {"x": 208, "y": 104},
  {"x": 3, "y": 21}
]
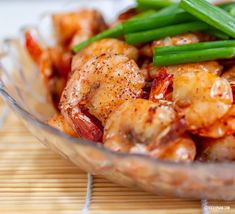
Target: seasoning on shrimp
[
  {"x": 100, "y": 86},
  {"x": 203, "y": 98},
  {"x": 211, "y": 66},
  {"x": 104, "y": 46},
  {"x": 118, "y": 94}
]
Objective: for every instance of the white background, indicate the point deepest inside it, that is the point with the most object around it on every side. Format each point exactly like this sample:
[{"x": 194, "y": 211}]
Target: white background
[{"x": 15, "y": 13}]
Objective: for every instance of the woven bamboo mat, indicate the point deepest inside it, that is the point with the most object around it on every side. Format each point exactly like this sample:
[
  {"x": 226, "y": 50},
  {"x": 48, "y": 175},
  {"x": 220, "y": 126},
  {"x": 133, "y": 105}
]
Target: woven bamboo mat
[{"x": 33, "y": 179}]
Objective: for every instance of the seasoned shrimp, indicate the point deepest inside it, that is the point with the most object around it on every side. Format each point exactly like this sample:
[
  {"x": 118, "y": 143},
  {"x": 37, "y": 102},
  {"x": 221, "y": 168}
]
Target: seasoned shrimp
[
  {"x": 99, "y": 87},
  {"x": 104, "y": 46},
  {"x": 230, "y": 76},
  {"x": 203, "y": 98},
  {"x": 161, "y": 86},
  {"x": 74, "y": 27},
  {"x": 222, "y": 149},
  {"x": 60, "y": 123},
  {"x": 141, "y": 126},
  {"x": 54, "y": 66},
  {"x": 210, "y": 66},
  {"x": 183, "y": 39},
  {"x": 222, "y": 127}
]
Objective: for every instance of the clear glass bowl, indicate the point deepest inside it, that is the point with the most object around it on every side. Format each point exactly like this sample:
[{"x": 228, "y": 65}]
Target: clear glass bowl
[{"x": 22, "y": 88}]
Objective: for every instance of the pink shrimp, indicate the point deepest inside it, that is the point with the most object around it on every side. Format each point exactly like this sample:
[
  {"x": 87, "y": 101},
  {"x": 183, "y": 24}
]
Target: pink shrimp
[
  {"x": 99, "y": 87},
  {"x": 144, "y": 127}
]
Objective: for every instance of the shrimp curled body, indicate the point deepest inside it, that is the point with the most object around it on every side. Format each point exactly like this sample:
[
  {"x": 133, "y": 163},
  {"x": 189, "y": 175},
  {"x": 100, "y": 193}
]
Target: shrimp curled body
[
  {"x": 202, "y": 98},
  {"x": 100, "y": 86},
  {"x": 137, "y": 126},
  {"x": 104, "y": 46}
]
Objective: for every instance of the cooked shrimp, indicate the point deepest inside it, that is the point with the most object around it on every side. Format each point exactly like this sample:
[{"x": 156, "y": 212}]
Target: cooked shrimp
[
  {"x": 99, "y": 87},
  {"x": 33, "y": 47},
  {"x": 203, "y": 98},
  {"x": 230, "y": 76},
  {"x": 74, "y": 27},
  {"x": 60, "y": 123},
  {"x": 54, "y": 66},
  {"x": 104, "y": 46},
  {"x": 222, "y": 149},
  {"x": 139, "y": 126},
  {"x": 183, "y": 39},
  {"x": 221, "y": 128},
  {"x": 182, "y": 149},
  {"x": 211, "y": 66},
  {"x": 161, "y": 86}
]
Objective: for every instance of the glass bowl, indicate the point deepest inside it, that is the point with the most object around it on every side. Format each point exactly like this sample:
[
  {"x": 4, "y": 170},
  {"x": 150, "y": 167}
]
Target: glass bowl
[{"x": 22, "y": 88}]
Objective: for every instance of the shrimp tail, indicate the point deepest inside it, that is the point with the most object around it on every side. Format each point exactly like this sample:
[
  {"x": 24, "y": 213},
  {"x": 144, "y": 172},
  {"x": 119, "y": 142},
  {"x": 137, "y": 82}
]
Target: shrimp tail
[
  {"x": 85, "y": 125},
  {"x": 161, "y": 85},
  {"x": 33, "y": 46}
]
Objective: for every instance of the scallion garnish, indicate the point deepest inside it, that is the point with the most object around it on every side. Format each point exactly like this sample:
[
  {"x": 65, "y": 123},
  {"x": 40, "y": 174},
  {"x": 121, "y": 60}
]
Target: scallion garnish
[
  {"x": 217, "y": 34},
  {"x": 114, "y": 32},
  {"x": 183, "y": 57},
  {"x": 148, "y": 36},
  {"x": 156, "y": 4},
  {"x": 210, "y": 14},
  {"x": 151, "y": 25},
  {"x": 193, "y": 47},
  {"x": 227, "y": 6},
  {"x": 157, "y": 20}
]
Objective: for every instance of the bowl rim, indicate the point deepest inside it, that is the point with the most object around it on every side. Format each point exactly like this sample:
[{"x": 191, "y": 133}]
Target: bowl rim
[
  {"x": 69, "y": 139},
  {"x": 38, "y": 123}
]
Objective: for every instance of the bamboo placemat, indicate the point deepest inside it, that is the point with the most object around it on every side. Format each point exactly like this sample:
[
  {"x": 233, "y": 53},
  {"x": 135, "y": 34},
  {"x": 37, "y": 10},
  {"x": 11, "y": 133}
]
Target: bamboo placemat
[{"x": 35, "y": 180}]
